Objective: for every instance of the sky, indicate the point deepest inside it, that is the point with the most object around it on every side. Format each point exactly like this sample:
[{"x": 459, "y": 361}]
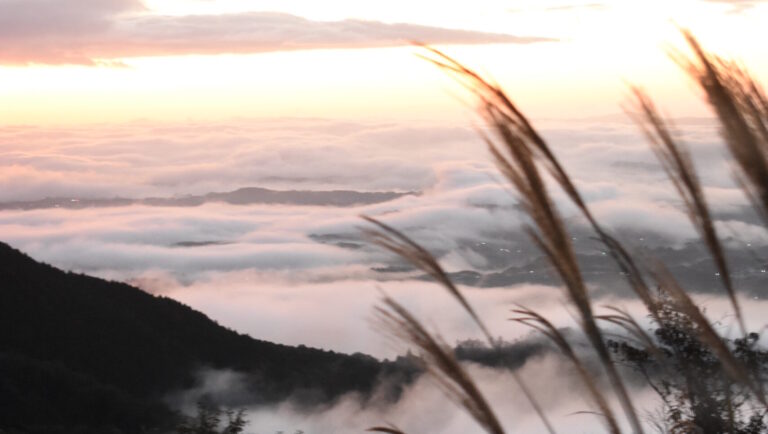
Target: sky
[
  {"x": 168, "y": 98},
  {"x": 92, "y": 61}
]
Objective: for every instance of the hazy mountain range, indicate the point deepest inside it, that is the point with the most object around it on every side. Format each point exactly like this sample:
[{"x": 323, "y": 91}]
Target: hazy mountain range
[{"x": 241, "y": 196}]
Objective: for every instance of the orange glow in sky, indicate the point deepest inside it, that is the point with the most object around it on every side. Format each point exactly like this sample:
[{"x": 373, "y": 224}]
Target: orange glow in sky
[{"x": 599, "y": 48}]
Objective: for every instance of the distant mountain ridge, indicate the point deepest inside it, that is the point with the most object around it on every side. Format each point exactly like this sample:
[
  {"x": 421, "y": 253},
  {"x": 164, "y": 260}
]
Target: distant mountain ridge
[
  {"x": 242, "y": 196},
  {"x": 81, "y": 351}
]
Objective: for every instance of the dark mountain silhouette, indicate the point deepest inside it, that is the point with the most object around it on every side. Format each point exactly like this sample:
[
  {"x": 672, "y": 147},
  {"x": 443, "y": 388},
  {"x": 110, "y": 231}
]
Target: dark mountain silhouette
[
  {"x": 80, "y": 354},
  {"x": 86, "y": 353},
  {"x": 242, "y": 196}
]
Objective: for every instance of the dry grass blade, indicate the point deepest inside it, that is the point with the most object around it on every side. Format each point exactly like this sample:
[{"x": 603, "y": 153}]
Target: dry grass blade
[
  {"x": 500, "y": 109},
  {"x": 749, "y": 96},
  {"x": 677, "y": 162},
  {"x": 400, "y": 244},
  {"x": 741, "y": 108},
  {"x": 734, "y": 368},
  {"x": 512, "y": 124},
  {"x": 534, "y": 320},
  {"x": 630, "y": 270},
  {"x": 685, "y": 427},
  {"x": 624, "y": 320},
  {"x": 516, "y": 157},
  {"x": 551, "y": 237},
  {"x": 440, "y": 363},
  {"x": 391, "y": 429}
]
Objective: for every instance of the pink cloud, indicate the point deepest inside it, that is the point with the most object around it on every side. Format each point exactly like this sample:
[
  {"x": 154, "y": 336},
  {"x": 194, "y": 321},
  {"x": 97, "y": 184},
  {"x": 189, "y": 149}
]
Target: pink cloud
[{"x": 92, "y": 32}]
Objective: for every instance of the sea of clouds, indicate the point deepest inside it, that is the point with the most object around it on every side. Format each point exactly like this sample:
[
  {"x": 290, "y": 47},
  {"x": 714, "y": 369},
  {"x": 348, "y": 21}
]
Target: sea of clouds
[
  {"x": 278, "y": 273},
  {"x": 268, "y": 253}
]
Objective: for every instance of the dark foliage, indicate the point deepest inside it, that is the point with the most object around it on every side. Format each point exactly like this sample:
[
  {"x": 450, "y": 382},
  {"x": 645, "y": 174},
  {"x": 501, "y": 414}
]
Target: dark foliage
[
  {"x": 508, "y": 355},
  {"x": 209, "y": 420},
  {"x": 689, "y": 378},
  {"x": 48, "y": 397},
  {"x": 77, "y": 351}
]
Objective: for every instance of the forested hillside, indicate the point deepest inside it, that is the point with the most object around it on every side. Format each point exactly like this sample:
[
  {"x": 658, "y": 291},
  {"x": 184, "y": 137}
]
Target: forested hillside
[{"x": 81, "y": 351}]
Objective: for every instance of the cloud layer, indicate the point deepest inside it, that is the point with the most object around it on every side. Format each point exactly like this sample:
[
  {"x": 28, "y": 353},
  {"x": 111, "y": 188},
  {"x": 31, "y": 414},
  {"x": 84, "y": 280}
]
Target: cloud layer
[
  {"x": 422, "y": 406},
  {"x": 263, "y": 268},
  {"x": 90, "y": 32},
  {"x": 463, "y": 200}
]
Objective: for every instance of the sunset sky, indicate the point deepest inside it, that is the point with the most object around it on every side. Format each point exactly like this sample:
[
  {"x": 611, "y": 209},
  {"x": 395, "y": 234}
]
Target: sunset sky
[
  {"x": 167, "y": 98},
  {"x": 92, "y": 61}
]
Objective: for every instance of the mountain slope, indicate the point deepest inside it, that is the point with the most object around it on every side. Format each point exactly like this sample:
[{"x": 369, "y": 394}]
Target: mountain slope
[
  {"x": 116, "y": 345},
  {"x": 242, "y": 196}
]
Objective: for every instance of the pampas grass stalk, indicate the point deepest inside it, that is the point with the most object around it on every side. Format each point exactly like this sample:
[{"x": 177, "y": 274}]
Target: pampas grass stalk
[
  {"x": 536, "y": 321},
  {"x": 400, "y": 244},
  {"x": 518, "y": 150},
  {"x": 740, "y": 105},
  {"x": 677, "y": 162},
  {"x": 439, "y": 362},
  {"x": 397, "y": 242},
  {"x": 520, "y": 153},
  {"x": 391, "y": 429}
]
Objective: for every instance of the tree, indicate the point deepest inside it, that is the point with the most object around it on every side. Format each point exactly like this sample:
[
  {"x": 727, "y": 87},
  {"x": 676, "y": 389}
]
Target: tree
[
  {"x": 696, "y": 394},
  {"x": 209, "y": 418}
]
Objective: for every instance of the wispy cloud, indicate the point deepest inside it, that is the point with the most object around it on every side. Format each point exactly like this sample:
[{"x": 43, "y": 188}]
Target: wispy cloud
[
  {"x": 738, "y": 6},
  {"x": 588, "y": 6},
  {"x": 571, "y": 7},
  {"x": 90, "y": 32}
]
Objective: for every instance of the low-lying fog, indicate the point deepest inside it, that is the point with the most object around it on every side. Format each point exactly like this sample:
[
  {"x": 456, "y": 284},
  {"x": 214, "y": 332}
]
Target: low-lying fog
[{"x": 299, "y": 273}]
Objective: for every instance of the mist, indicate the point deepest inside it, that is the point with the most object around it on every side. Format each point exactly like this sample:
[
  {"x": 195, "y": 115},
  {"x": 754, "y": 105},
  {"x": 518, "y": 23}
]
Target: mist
[{"x": 265, "y": 268}]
